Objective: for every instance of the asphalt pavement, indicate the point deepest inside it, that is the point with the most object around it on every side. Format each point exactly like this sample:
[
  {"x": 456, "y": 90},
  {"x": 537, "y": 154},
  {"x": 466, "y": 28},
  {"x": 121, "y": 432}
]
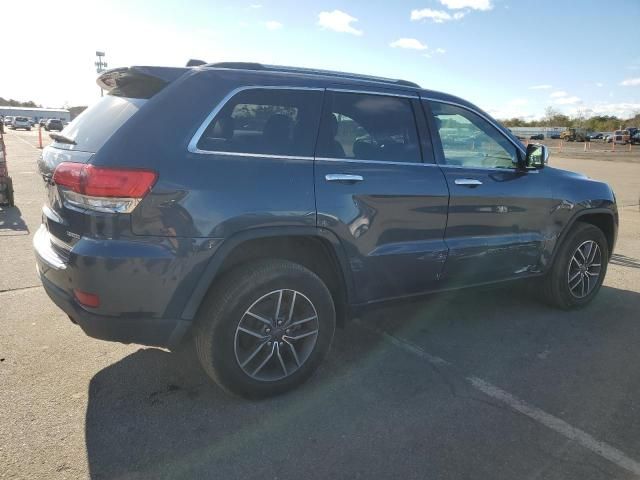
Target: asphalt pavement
[{"x": 478, "y": 384}]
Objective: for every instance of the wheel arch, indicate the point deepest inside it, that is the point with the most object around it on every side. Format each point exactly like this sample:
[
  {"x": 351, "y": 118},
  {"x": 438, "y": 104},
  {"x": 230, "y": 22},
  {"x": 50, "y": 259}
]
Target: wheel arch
[
  {"x": 603, "y": 218},
  {"x": 315, "y": 248}
]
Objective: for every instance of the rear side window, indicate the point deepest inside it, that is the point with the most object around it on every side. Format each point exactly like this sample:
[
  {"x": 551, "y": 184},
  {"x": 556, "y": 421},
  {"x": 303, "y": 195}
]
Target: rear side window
[
  {"x": 368, "y": 127},
  {"x": 265, "y": 121}
]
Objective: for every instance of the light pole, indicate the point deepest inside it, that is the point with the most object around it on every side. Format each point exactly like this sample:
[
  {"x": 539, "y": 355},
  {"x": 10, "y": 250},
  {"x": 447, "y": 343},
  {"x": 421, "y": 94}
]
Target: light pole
[{"x": 101, "y": 65}]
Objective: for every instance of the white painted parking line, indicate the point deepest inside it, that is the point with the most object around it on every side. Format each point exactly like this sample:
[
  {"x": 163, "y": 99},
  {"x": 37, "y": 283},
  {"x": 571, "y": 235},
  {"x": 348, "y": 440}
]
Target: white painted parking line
[
  {"x": 556, "y": 424},
  {"x": 560, "y": 426}
]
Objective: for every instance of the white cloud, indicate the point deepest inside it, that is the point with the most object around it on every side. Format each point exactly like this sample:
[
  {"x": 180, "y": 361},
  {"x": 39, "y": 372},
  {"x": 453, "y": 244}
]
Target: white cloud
[
  {"x": 410, "y": 43},
  {"x": 441, "y": 51},
  {"x": 621, "y": 110},
  {"x": 338, "y": 21},
  {"x": 599, "y": 84},
  {"x": 568, "y": 100},
  {"x": 438, "y": 16},
  {"x": 473, "y": 4},
  {"x": 541, "y": 87},
  {"x": 518, "y": 102},
  {"x": 273, "y": 25},
  {"x": 631, "y": 82},
  {"x": 558, "y": 94}
]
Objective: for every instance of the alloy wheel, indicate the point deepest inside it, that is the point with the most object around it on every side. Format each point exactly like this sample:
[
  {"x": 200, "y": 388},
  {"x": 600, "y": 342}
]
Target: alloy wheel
[
  {"x": 276, "y": 335},
  {"x": 585, "y": 268}
]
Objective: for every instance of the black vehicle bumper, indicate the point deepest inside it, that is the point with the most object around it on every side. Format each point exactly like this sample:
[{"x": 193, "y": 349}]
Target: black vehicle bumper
[{"x": 124, "y": 328}]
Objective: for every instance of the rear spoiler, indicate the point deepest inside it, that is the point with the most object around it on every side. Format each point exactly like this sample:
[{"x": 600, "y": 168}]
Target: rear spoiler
[{"x": 138, "y": 82}]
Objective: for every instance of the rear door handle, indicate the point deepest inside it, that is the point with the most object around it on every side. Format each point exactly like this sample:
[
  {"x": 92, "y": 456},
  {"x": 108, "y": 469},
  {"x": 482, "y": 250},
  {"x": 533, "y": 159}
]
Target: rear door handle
[
  {"x": 468, "y": 182},
  {"x": 343, "y": 177}
]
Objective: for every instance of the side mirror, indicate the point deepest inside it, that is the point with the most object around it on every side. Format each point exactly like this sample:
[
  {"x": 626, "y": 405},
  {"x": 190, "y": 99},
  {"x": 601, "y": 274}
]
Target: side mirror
[{"x": 537, "y": 156}]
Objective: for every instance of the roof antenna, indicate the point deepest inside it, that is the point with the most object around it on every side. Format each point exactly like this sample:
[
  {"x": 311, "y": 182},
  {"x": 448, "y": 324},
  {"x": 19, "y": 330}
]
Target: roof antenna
[{"x": 194, "y": 62}]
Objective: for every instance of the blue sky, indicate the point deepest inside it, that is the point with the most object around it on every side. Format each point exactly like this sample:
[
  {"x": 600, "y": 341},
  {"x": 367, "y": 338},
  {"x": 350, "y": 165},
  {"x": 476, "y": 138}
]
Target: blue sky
[{"x": 492, "y": 52}]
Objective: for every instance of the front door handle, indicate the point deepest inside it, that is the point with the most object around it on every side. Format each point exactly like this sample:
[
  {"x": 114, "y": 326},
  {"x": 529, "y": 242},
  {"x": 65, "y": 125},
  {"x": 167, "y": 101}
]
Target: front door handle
[
  {"x": 343, "y": 177},
  {"x": 468, "y": 182}
]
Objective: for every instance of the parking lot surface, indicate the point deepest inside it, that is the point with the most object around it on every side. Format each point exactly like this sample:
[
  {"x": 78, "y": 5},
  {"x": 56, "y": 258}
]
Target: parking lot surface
[{"x": 474, "y": 384}]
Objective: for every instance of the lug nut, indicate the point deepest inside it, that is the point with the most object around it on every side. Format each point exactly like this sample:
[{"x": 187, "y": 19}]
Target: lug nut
[
  {"x": 287, "y": 331},
  {"x": 269, "y": 343},
  {"x": 279, "y": 322},
  {"x": 267, "y": 330}
]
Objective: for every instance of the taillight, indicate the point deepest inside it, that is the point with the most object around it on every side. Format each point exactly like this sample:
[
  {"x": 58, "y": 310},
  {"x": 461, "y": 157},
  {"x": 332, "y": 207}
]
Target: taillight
[{"x": 103, "y": 189}]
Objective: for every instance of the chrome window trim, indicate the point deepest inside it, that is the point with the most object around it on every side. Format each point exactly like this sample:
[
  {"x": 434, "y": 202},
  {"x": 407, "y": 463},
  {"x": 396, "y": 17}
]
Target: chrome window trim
[
  {"x": 493, "y": 169},
  {"x": 252, "y": 155},
  {"x": 193, "y": 143},
  {"x": 379, "y": 162},
  {"x": 481, "y": 115}
]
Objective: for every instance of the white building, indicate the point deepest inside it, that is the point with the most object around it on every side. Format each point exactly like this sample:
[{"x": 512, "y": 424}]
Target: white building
[
  {"x": 548, "y": 132},
  {"x": 36, "y": 113}
]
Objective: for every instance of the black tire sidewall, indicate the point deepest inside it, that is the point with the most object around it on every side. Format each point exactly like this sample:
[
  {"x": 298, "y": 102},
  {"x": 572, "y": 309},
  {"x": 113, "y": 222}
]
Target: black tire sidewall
[
  {"x": 220, "y": 320},
  {"x": 579, "y": 234}
]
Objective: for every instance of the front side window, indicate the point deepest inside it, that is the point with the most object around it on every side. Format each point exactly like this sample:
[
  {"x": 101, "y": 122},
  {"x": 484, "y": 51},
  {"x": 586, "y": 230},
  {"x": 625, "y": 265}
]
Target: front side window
[
  {"x": 266, "y": 121},
  {"x": 468, "y": 140},
  {"x": 368, "y": 127}
]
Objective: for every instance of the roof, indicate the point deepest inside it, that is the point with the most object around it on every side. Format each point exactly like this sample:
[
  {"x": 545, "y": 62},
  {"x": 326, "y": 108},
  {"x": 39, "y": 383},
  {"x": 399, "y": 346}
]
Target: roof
[
  {"x": 310, "y": 71},
  {"x": 33, "y": 109}
]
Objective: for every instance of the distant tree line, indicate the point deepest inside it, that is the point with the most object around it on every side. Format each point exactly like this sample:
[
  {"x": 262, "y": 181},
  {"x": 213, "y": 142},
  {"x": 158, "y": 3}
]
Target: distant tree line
[
  {"x": 75, "y": 111},
  {"x": 596, "y": 123},
  {"x": 15, "y": 103}
]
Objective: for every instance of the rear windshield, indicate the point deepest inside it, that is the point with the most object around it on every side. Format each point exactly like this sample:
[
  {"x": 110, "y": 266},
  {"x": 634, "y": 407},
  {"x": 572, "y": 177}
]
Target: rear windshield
[
  {"x": 22, "y": 119},
  {"x": 97, "y": 123}
]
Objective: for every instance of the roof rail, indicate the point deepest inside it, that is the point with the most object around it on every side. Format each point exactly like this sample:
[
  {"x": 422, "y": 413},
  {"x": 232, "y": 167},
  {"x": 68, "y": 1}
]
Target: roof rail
[{"x": 310, "y": 71}]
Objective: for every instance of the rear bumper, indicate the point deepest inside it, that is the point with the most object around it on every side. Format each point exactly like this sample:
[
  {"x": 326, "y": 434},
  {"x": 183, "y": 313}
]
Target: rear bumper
[{"x": 59, "y": 277}]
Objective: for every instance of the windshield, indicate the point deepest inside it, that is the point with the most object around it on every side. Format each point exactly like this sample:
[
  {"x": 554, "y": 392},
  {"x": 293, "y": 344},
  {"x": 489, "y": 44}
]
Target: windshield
[{"x": 95, "y": 125}]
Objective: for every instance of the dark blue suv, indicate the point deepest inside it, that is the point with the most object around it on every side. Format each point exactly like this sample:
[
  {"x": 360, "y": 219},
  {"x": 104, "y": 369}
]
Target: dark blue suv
[{"x": 250, "y": 208}]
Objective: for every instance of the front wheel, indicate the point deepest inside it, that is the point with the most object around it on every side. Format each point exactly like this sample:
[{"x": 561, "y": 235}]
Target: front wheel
[
  {"x": 579, "y": 268},
  {"x": 265, "y": 328}
]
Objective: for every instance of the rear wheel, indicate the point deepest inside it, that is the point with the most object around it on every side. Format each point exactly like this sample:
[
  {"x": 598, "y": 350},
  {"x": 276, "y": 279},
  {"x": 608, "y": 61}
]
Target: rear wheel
[
  {"x": 579, "y": 268},
  {"x": 265, "y": 328}
]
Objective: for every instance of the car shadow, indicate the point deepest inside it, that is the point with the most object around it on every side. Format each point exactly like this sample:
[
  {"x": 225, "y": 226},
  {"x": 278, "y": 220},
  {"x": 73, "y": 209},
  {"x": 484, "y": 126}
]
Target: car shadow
[
  {"x": 156, "y": 414},
  {"x": 11, "y": 221}
]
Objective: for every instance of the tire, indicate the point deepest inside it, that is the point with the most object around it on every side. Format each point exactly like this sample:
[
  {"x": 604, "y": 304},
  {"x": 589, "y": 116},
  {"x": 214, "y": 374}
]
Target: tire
[
  {"x": 557, "y": 288},
  {"x": 10, "y": 197},
  {"x": 233, "y": 357}
]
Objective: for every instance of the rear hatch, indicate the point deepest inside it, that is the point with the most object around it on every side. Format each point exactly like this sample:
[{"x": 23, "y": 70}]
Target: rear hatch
[{"x": 83, "y": 200}]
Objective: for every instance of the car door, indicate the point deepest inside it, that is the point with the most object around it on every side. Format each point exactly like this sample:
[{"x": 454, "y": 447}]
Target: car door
[
  {"x": 385, "y": 203},
  {"x": 498, "y": 213}
]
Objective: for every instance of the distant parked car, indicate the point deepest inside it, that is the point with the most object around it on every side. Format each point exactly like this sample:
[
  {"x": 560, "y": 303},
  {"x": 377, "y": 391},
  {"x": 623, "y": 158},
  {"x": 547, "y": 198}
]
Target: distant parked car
[
  {"x": 53, "y": 124},
  {"x": 555, "y": 136},
  {"x": 42, "y": 122},
  {"x": 596, "y": 136},
  {"x": 636, "y": 138},
  {"x": 621, "y": 136},
  {"x": 21, "y": 122},
  {"x": 538, "y": 136},
  {"x": 8, "y": 120}
]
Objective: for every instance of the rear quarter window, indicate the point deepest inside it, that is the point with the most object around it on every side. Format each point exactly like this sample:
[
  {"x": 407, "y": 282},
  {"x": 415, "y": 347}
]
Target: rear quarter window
[{"x": 281, "y": 122}]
